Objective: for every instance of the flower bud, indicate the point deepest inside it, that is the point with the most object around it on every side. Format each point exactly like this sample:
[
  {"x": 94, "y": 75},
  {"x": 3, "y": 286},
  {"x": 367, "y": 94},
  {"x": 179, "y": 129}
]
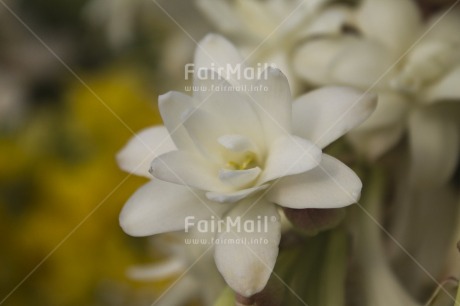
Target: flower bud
[{"x": 312, "y": 221}]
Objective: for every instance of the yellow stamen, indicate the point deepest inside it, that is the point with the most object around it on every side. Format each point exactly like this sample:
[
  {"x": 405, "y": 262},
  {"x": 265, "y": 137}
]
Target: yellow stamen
[{"x": 248, "y": 162}]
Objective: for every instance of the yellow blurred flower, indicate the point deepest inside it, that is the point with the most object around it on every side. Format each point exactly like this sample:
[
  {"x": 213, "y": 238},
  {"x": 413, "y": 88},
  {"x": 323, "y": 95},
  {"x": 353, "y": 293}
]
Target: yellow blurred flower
[{"x": 66, "y": 157}]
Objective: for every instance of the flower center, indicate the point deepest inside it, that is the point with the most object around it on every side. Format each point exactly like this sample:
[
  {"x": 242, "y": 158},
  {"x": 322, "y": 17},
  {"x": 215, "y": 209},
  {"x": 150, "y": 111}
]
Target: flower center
[
  {"x": 239, "y": 153},
  {"x": 248, "y": 161}
]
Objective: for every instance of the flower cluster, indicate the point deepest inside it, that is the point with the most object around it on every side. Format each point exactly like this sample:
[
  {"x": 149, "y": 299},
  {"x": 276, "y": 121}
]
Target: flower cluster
[
  {"x": 248, "y": 150},
  {"x": 413, "y": 65}
]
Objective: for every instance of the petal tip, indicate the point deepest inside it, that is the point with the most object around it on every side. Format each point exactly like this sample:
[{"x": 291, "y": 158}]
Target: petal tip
[
  {"x": 212, "y": 38},
  {"x": 124, "y": 159},
  {"x": 356, "y": 193},
  {"x": 164, "y": 98},
  {"x": 128, "y": 225},
  {"x": 120, "y": 159},
  {"x": 155, "y": 168},
  {"x": 274, "y": 70}
]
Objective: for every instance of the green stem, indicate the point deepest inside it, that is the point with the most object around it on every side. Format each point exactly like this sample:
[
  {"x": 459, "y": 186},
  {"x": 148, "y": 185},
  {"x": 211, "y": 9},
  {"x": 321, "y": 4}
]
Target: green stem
[
  {"x": 457, "y": 298},
  {"x": 381, "y": 286}
]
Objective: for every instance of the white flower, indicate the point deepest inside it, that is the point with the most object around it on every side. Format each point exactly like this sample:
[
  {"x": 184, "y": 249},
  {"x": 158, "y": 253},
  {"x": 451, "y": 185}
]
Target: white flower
[
  {"x": 233, "y": 154},
  {"x": 268, "y": 31},
  {"x": 380, "y": 286},
  {"x": 410, "y": 93},
  {"x": 118, "y": 17}
]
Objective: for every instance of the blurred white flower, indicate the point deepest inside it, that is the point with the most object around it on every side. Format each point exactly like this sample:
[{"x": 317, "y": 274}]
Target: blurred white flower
[
  {"x": 269, "y": 30},
  {"x": 190, "y": 264},
  {"x": 229, "y": 152},
  {"x": 378, "y": 284},
  {"x": 117, "y": 17},
  {"x": 413, "y": 214},
  {"x": 410, "y": 93},
  {"x": 123, "y": 20}
]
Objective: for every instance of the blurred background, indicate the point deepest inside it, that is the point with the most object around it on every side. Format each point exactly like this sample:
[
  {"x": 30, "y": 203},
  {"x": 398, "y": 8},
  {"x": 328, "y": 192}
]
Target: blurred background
[{"x": 77, "y": 78}]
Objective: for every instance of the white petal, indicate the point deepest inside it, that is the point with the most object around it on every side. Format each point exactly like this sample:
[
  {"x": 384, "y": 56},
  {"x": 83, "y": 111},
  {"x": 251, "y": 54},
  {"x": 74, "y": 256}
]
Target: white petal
[
  {"x": 330, "y": 20},
  {"x": 290, "y": 155},
  {"x": 434, "y": 145},
  {"x": 158, "y": 271},
  {"x": 283, "y": 61},
  {"x": 325, "y": 114},
  {"x": 188, "y": 169},
  {"x": 273, "y": 105},
  {"x": 330, "y": 185},
  {"x": 312, "y": 60},
  {"x": 139, "y": 152},
  {"x": 344, "y": 60},
  {"x": 159, "y": 207},
  {"x": 205, "y": 129},
  {"x": 185, "y": 289},
  {"x": 173, "y": 106},
  {"x": 425, "y": 65},
  {"x": 231, "y": 106},
  {"x": 221, "y": 14},
  {"x": 235, "y": 196},
  {"x": 236, "y": 143},
  {"x": 395, "y": 23},
  {"x": 362, "y": 64},
  {"x": 217, "y": 53},
  {"x": 446, "y": 89},
  {"x": 259, "y": 21},
  {"x": 247, "y": 267},
  {"x": 391, "y": 109},
  {"x": 208, "y": 82},
  {"x": 239, "y": 178},
  {"x": 374, "y": 143}
]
